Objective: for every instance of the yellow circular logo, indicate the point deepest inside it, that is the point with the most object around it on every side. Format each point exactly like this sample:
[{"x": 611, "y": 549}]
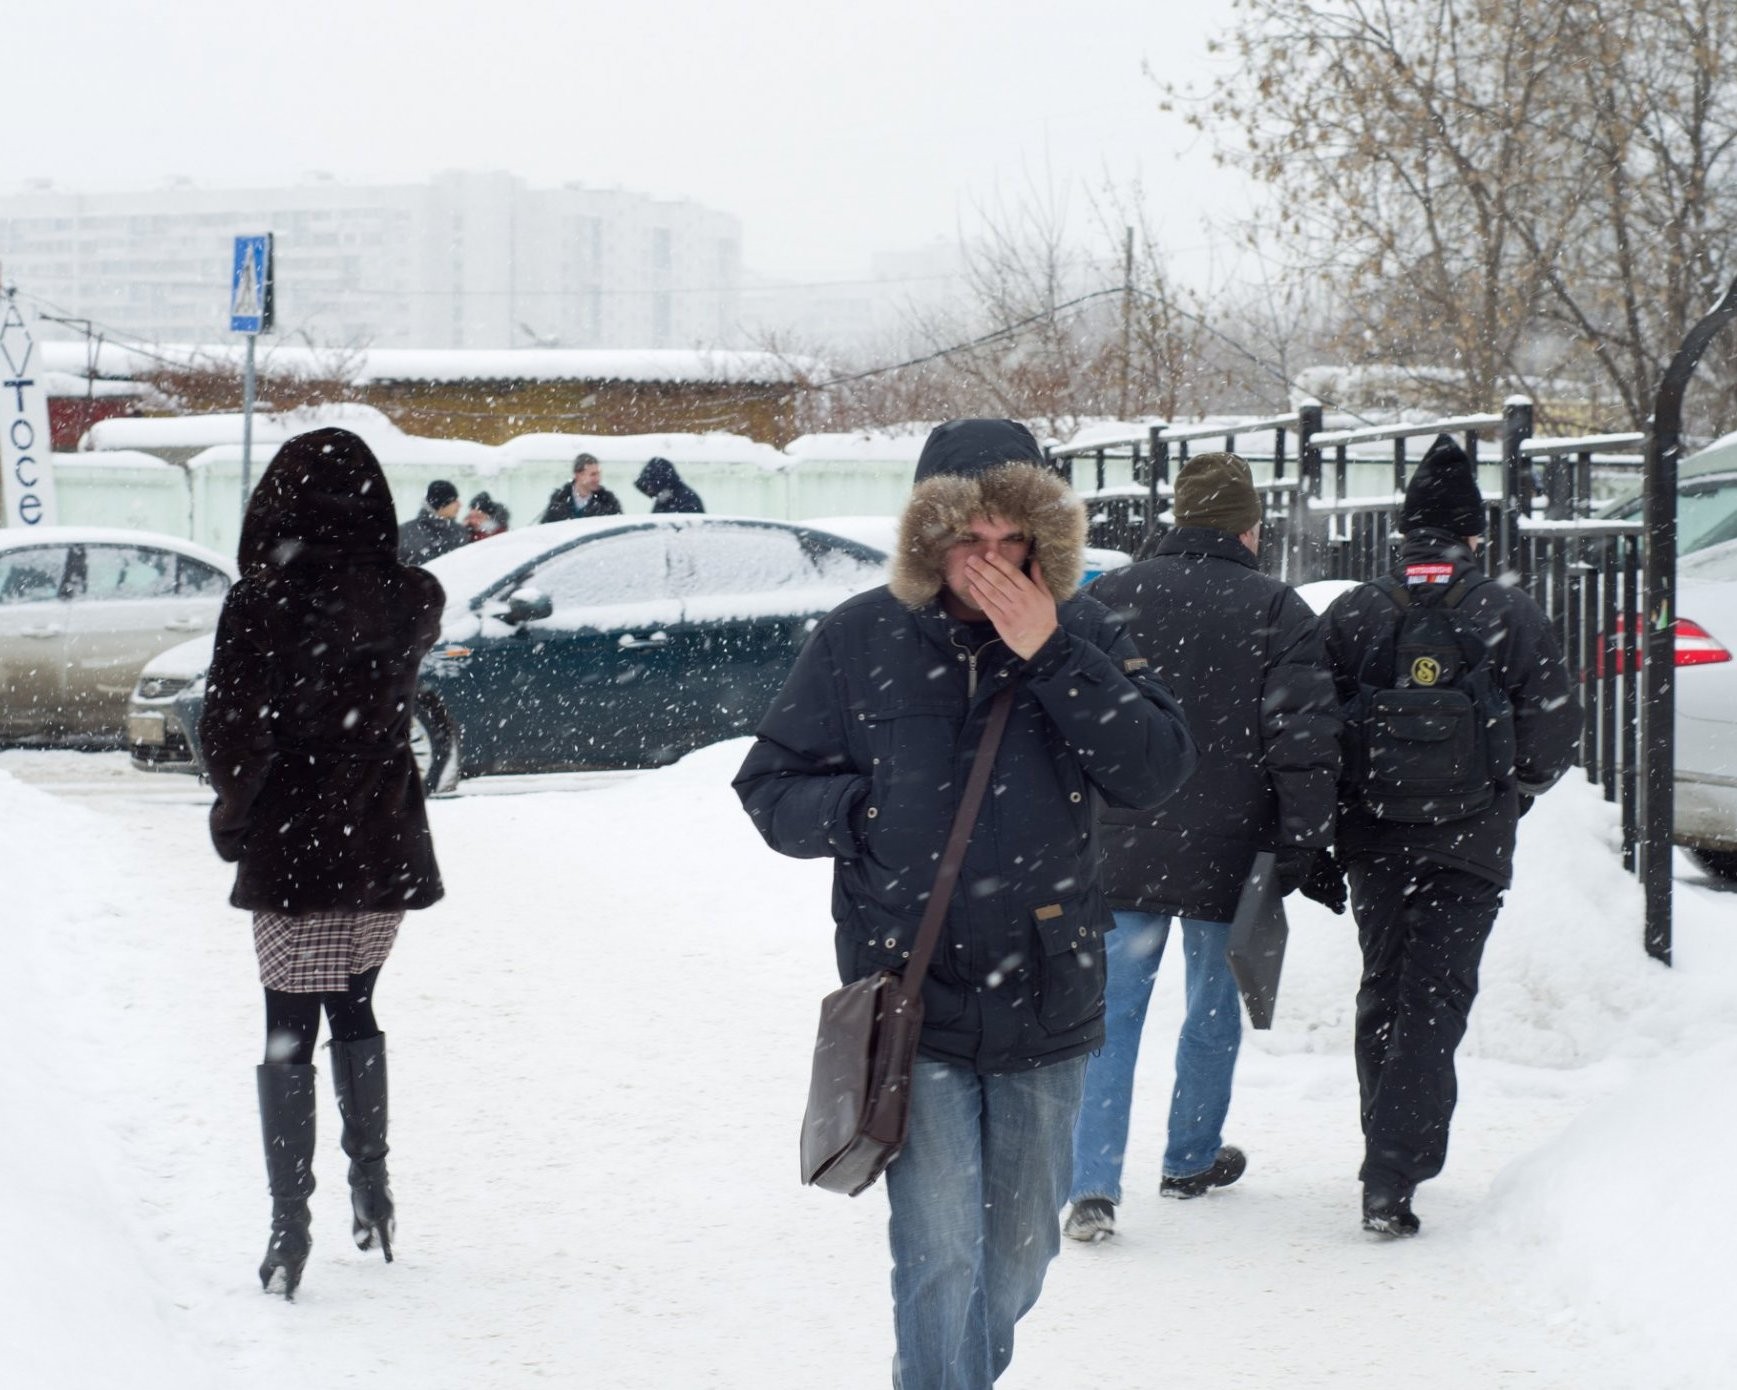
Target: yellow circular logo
[{"x": 1426, "y": 670}]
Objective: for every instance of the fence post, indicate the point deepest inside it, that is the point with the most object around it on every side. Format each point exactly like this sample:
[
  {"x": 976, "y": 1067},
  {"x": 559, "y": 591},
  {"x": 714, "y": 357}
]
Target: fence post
[
  {"x": 1310, "y": 522},
  {"x": 1658, "y": 650},
  {"x": 1516, "y": 477}
]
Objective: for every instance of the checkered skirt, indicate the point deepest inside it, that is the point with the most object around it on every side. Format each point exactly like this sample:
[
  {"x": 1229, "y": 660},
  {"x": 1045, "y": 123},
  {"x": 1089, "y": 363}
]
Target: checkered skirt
[{"x": 317, "y": 952}]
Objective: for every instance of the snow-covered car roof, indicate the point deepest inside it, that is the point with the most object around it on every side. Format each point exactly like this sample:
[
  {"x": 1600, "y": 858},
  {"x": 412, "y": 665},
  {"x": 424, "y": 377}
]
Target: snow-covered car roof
[{"x": 16, "y": 537}]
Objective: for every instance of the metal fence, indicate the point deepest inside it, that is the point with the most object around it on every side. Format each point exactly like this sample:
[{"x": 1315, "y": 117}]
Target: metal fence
[{"x": 1584, "y": 573}]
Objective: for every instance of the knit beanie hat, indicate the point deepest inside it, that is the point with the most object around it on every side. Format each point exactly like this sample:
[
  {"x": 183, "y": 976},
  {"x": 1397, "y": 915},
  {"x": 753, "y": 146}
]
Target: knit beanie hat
[
  {"x": 1216, "y": 490},
  {"x": 1443, "y": 494},
  {"x": 441, "y": 493},
  {"x": 967, "y": 448}
]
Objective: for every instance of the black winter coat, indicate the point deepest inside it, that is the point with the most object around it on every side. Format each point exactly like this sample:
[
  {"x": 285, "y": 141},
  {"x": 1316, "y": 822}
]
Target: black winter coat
[
  {"x": 309, "y": 697},
  {"x": 603, "y": 502},
  {"x": 1528, "y": 665},
  {"x": 660, "y": 481},
  {"x": 428, "y": 534},
  {"x": 862, "y": 758},
  {"x": 1243, "y": 653}
]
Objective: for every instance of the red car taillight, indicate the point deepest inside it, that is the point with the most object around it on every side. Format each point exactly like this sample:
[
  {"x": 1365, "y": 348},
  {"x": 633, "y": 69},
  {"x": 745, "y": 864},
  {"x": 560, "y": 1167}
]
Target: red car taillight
[{"x": 1695, "y": 646}]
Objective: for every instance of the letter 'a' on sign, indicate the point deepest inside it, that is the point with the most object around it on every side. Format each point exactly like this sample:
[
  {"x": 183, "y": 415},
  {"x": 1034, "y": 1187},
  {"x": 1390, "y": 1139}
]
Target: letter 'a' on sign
[{"x": 250, "y": 287}]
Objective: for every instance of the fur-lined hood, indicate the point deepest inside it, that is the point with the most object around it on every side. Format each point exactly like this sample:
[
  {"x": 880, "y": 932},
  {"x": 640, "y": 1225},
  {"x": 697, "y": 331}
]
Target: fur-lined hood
[{"x": 942, "y": 506}]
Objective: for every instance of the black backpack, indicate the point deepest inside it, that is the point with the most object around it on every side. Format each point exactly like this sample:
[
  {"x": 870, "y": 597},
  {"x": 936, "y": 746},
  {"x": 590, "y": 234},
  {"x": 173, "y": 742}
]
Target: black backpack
[{"x": 1430, "y": 732}]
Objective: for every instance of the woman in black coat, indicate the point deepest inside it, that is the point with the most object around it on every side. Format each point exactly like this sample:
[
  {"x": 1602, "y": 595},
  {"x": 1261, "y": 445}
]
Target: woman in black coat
[{"x": 319, "y": 804}]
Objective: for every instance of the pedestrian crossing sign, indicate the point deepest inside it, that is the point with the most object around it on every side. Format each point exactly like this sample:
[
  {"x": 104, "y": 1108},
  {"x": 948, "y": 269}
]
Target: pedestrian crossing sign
[{"x": 250, "y": 286}]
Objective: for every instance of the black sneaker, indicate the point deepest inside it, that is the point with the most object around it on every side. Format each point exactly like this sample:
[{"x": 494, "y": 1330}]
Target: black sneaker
[
  {"x": 1093, "y": 1218},
  {"x": 1225, "y": 1170},
  {"x": 1388, "y": 1215}
]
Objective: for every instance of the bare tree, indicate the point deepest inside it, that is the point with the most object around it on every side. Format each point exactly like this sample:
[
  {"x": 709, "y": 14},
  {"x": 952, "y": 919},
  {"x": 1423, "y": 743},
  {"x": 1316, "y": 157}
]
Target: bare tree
[{"x": 1504, "y": 195}]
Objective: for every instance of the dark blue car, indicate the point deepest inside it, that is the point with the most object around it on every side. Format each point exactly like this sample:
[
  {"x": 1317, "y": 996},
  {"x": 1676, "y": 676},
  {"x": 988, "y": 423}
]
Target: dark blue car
[{"x": 610, "y": 643}]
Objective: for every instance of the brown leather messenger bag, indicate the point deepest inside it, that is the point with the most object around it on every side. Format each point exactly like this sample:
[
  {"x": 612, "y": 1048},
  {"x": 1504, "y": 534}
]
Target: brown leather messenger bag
[{"x": 859, "y": 1094}]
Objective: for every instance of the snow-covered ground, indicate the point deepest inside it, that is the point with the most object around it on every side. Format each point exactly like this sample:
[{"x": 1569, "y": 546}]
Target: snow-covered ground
[{"x": 599, "y": 1050}]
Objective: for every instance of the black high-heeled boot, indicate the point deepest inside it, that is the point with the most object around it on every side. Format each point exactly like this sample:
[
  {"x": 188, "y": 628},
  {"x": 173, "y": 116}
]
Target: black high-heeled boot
[
  {"x": 286, "y": 1121},
  {"x": 359, "y": 1077}
]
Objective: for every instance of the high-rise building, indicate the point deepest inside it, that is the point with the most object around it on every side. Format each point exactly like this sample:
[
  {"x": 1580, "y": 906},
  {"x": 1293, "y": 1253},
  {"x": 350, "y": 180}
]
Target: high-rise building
[{"x": 475, "y": 260}]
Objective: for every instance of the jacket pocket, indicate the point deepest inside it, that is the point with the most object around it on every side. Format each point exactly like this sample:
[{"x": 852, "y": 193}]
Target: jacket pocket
[
  {"x": 1070, "y": 961},
  {"x": 880, "y": 938}
]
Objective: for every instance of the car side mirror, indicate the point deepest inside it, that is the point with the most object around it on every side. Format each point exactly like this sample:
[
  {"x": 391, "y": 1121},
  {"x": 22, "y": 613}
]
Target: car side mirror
[{"x": 526, "y": 605}]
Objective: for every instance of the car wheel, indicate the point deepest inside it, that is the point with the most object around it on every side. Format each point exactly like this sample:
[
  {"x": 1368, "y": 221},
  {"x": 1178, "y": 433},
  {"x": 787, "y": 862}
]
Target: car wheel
[
  {"x": 433, "y": 747},
  {"x": 1722, "y": 863}
]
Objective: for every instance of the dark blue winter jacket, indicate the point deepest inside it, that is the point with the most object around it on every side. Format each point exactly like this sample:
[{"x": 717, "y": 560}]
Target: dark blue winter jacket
[{"x": 863, "y": 757}]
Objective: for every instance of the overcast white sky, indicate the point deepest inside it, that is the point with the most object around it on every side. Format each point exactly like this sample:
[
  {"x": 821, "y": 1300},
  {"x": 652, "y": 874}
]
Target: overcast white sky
[{"x": 833, "y": 131}]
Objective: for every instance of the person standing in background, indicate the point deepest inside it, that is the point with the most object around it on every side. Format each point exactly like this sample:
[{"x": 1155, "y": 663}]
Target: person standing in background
[{"x": 586, "y": 496}]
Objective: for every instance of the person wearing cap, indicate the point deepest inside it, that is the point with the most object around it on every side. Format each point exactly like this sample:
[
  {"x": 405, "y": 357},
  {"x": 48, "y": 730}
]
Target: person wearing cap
[
  {"x": 435, "y": 529},
  {"x": 1243, "y": 653},
  {"x": 486, "y": 517},
  {"x": 1425, "y": 896},
  {"x": 862, "y": 759},
  {"x": 586, "y": 496}
]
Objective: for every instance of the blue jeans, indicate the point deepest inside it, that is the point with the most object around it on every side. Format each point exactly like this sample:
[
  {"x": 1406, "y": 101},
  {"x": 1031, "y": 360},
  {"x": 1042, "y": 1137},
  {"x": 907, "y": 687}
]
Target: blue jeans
[
  {"x": 1205, "y": 1052},
  {"x": 976, "y": 1197}
]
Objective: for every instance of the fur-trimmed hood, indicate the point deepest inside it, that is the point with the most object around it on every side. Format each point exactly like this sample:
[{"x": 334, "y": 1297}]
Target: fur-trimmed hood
[{"x": 944, "y": 505}]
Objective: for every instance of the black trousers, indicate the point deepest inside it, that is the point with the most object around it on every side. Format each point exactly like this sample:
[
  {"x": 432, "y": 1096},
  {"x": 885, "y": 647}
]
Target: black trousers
[
  {"x": 292, "y": 1021},
  {"x": 1422, "y": 927}
]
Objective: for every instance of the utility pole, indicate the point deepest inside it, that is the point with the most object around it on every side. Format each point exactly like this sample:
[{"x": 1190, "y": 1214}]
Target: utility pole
[{"x": 1127, "y": 318}]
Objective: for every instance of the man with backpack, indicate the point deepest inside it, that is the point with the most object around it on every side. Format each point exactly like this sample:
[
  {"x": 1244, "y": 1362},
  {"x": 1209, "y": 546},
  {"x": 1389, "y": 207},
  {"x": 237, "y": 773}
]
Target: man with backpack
[{"x": 1458, "y": 711}]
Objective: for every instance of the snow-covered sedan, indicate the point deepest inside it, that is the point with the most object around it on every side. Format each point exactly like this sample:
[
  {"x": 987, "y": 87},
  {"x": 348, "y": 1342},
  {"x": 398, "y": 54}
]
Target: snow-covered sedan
[
  {"x": 603, "y": 643},
  {"x": 82, "y": 609}
]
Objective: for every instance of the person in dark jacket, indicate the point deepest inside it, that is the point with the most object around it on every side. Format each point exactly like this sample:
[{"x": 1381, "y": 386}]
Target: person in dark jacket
[
  {"x": 1243, "y": 653},
  {"x": 435, "y": 529},
  {"x": 306, "y": 733},
  {"x": 1425, "y": 896},
  {"x": 486, "y": 517},
  {"x": 862, "y": 759},
  {"x": 659, "y": 481},
  {"x": 586, "y": 496}
]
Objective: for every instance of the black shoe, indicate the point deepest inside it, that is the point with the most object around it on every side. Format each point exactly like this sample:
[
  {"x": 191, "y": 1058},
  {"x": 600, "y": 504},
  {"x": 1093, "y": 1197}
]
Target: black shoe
[
  {"x": 288, "y": 1249},
  {"x": 1388, "y": 1215},
  {"x": 1225, "y": 1170},
  {"x": 1092, "y": 1219}
]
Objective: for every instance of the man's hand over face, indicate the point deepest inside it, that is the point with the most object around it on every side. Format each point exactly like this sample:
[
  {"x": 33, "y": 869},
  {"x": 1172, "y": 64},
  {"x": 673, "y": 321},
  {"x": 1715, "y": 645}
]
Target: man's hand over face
[{"x": 1019, "y": 605}]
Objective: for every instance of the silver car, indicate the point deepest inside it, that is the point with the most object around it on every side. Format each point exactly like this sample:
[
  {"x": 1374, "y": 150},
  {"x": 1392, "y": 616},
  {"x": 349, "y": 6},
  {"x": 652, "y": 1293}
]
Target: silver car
[
  {"x": 1706, "y": 800},
  {"x": 82, "y": 609}
]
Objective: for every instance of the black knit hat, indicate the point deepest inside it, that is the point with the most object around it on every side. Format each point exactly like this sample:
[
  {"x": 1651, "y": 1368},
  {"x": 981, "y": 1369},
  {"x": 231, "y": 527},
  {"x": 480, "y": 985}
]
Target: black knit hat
[
  {"x": 966, "y": 448},
  {"x": 1443, "y": 494},
  {"x": 441, "y": 493}
]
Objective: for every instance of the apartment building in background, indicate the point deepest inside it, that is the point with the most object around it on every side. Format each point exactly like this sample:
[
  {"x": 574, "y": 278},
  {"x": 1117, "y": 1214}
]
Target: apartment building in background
[{"x": 464, "y": 260}]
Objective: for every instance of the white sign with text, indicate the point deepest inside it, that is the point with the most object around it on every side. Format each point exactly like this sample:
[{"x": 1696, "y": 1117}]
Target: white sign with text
[{"x": 26, "y": 457}]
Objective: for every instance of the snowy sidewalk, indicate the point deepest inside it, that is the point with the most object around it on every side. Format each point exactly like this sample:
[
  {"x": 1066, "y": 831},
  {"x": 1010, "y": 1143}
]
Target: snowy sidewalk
[{"x": 599, "y": 1046}]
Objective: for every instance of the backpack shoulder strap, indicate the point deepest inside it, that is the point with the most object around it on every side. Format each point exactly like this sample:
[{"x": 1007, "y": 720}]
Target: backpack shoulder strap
[
  {"x": 1457, "y": 591},
  {"x": 1395, "y": 592}
]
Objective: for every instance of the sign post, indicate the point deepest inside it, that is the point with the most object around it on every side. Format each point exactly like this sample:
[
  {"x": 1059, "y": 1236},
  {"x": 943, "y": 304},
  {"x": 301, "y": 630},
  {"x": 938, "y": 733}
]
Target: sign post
[
  {"x": 252, "y": 293},
  {"x": 26, "y": 447}
]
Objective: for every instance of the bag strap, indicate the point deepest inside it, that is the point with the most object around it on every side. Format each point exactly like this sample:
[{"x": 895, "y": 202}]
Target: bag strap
[{"x": 953, "y": 856}]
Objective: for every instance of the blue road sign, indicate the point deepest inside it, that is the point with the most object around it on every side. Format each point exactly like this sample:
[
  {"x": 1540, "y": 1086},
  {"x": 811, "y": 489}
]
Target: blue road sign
[{"x": 250, "y": 285}]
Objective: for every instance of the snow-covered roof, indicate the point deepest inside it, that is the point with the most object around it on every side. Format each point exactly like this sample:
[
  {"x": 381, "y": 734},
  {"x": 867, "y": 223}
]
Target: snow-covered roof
[
  {"x": 202, "y": 431},
  {"x": 370, "y": 365}
]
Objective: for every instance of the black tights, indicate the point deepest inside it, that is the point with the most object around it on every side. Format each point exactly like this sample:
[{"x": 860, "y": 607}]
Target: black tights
[{"x": 292, "y": 1021}]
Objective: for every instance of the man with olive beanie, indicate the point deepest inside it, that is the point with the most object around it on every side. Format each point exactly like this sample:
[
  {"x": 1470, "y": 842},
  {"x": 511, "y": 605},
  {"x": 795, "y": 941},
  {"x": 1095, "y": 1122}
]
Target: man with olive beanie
[
  {"x": 1426, "y": 887},
  {"x": 1242, "y": 653}
]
